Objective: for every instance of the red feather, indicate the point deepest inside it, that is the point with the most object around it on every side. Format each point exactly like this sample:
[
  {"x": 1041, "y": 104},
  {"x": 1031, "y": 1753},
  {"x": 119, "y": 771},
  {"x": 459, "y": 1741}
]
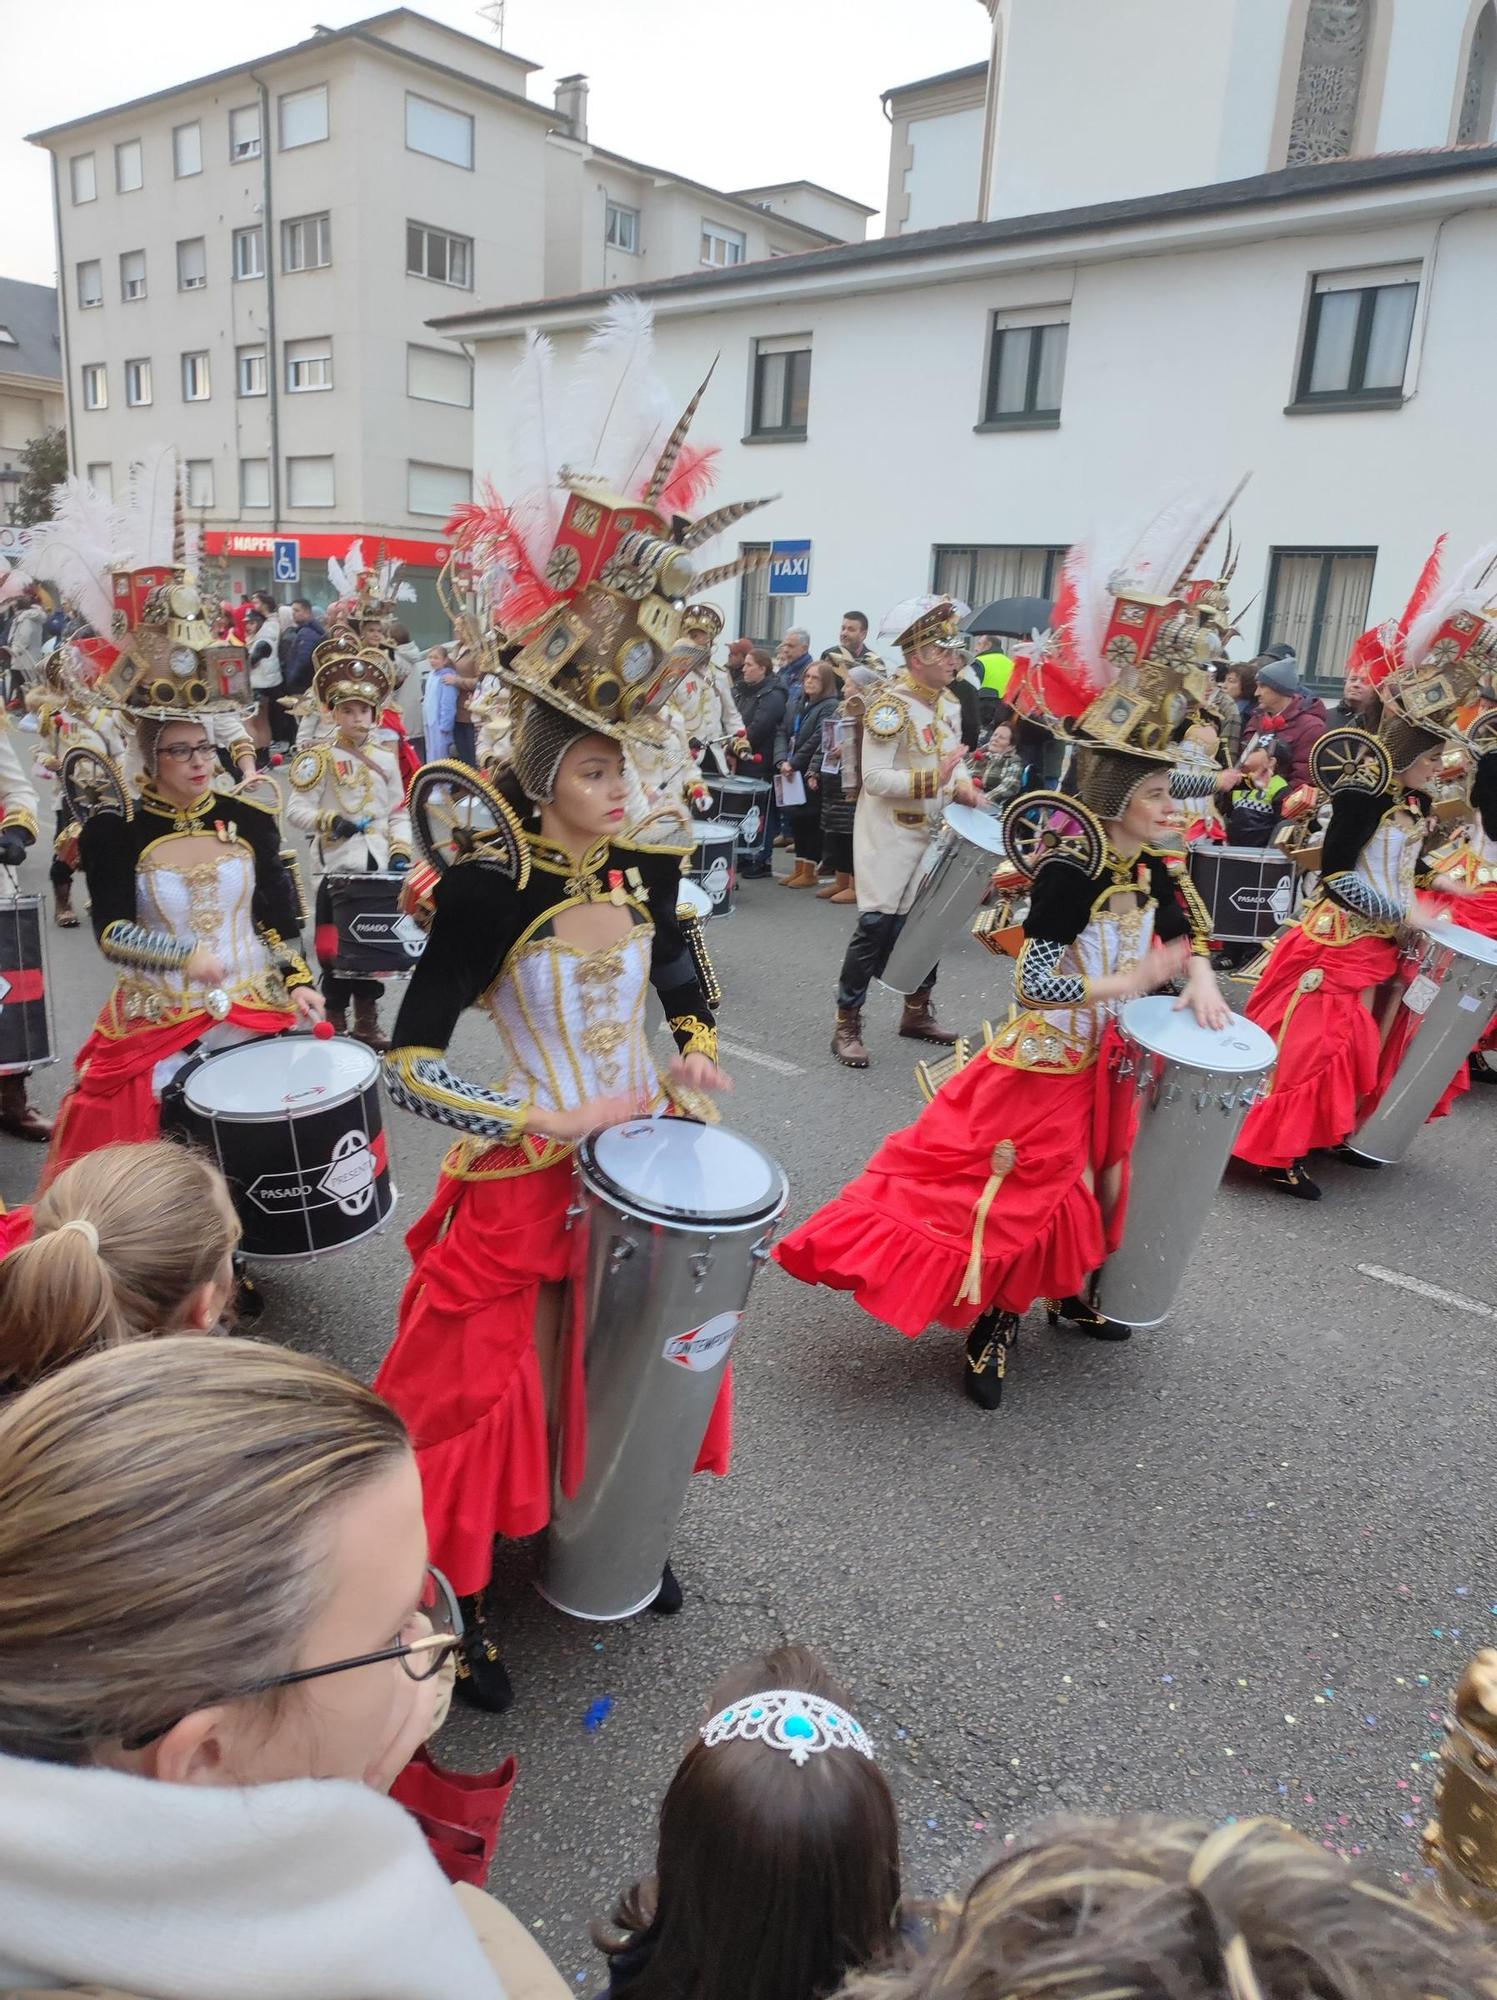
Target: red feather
[
  {"x": 1058, "y": 678},
  {"x": 484, "y": 532},
  {"x": 1372, "y": 658},
  {"x": 1424, "y": 590},
  {"x": 691, "y": 481}
]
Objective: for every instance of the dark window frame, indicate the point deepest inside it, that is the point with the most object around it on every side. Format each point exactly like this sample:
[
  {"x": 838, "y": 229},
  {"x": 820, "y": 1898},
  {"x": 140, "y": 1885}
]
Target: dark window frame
[
  {"x": 1055, "y": 557},
  {"x": 1031, "y": 416},
  {"x": 1354, "y": 395},
  {"x": 784, "y": 431},
  {"x": 1317, "y": 682},
  {"x": 777, "y": 609}
]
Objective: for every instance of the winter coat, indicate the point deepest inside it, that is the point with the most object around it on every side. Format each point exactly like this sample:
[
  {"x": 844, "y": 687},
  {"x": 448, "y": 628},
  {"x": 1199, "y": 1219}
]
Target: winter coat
[
  {"x": 763, "y": 712},
  {"x": 302, "y": 642},
  {"x": 802, "y": 746},
  {"x": 1301, "y": 725}
]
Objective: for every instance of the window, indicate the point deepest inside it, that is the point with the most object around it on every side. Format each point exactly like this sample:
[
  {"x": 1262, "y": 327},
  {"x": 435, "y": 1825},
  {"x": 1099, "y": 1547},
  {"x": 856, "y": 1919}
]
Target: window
[
  {"x": 722, "y": 246},
  {"x": 192, "y": 264},
  {"x": 244, "y": 132},
  {"x": 438, "y": 130},
  {"x": 621, "y": 227},
  {"x": 254, "y": 482},
  {"x": 436, "y": 489},
  {"x": 95, "y": 386},
  {"x": 1317, "y": 602},
  {"x": 439, "y": 375},
  {"x": 1026, "y": 368},
  {"x": 979, "y": 573},
  {"x": 306, "y": 243},
  {"x": 200, "y": 482},
  {"x": 82, "y": 178},
  {"x": 309, "y": 482},
  {"x": 137, "y": 384},
  {"x": 1329, "y": 95},
  {"x": 249, "y": 252},
  {"x": 187, "y": 150},
  {"x": 1475, "y": 125},
  {"x": 782, "y": 387},
  {"x": 309, "y": 364},
  {"x": 1357, "y": 337},
  {"x": 762, "y": 618},
  {"x": 303, "y": 116},
  {"x": 129, "y": 168},
  {"x": 101, "y": 478},
  {"x": 133, "y": 274},
  {"x": 432, "y": 253},
  {"x": 251, "y": 371},
  {"x": 91, "y": 283},
  {"x": 195, "y": 378}
]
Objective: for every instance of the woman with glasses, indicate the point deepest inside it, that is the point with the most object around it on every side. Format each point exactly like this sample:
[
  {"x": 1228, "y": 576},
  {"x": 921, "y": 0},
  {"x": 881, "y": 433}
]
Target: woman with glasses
[
  {"x": 193, "y": 906},
  {"x": 220, "y": 1552}
]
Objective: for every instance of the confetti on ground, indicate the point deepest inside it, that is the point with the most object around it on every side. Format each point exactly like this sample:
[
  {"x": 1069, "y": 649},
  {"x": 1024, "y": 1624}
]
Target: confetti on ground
[{"x": 597, "y": 1714}]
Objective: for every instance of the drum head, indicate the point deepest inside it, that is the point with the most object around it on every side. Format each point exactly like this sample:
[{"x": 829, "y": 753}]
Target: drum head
[
  {"x": 982, "y": 829},
  {"x": 1470, "y": 944},
  {"x": 692, "y": 901},
  {"x": 1241, "y": 1048},
  {"x": 279, "y": 1075},
  {"x": 713, "y": 833},
  {"x": 680, "y": 1171}
]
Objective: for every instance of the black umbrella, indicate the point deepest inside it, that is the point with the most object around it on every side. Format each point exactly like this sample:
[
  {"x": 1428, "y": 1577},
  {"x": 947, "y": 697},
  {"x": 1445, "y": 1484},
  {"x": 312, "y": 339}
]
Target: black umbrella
[{"x": 1012, "y": 617}]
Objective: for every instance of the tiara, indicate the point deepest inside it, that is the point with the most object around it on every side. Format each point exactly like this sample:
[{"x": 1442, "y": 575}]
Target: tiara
[{"x": 787, "y": 1719}]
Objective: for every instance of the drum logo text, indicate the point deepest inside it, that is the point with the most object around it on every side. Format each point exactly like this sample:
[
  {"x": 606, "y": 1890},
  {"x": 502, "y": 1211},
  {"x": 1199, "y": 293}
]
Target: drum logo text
[{"x": 705, "y": 1345}]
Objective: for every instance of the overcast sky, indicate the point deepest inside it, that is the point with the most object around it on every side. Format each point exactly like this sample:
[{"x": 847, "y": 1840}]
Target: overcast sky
[{"x": 731, "y": 92}]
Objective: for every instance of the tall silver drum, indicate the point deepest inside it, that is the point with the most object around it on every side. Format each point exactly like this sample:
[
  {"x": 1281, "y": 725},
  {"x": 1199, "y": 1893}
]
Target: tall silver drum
[
  {"x": 1195, "y": 1086},
  {"x": 674, "y": 1220},
  {"x": 957, "y": 873},
  {"x": 1453, "y": 993}
]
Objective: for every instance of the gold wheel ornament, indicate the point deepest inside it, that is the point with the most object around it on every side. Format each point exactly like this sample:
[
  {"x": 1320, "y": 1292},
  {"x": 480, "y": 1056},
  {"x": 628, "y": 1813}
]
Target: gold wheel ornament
[
  {"x": 456, "y": 813},
  {"x": 1350, "y": 760},
  {"x": 1044, "y": 826},
  {"x": 93, "y": 783},
  {"x": 1482, "y": 735}
]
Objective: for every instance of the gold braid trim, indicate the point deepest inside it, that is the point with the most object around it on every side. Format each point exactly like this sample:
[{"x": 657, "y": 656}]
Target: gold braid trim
[
  {"x": 290, "y": 964},
  {"x": 694, "y": 1037},
  {"x": 18, "y": 817}
]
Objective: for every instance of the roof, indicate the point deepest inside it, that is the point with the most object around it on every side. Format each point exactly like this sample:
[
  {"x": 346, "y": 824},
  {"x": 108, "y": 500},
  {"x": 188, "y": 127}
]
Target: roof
[
  {"x": 29, "y": 312},
  {"x": 356, "y": 31},
  {"x": 812, "y": 187},
  {"x": 1289, "y": 184},
  {"x": 717, "y": 194},
  {"x": 929, "y": 82}
]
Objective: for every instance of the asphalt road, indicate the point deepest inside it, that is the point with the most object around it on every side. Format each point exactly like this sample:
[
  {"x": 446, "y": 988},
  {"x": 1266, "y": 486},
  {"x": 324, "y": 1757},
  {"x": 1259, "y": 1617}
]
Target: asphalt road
[{"x": 1230, "y": 1567}]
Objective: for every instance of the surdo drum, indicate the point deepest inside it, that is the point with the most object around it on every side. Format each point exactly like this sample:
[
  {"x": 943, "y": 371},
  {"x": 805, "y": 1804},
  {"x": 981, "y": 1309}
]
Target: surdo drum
[
  {"x": 1452, "y": 994},
  {"x": 296, "y": 1128},
  {"x": 25, "y": 1005},
  {"x": 673, "y": 1220},
  {"x": 1194, "y": 1087},
  {"x": 376, "y": 939},
  {"x": 743, "y": 802},
  {"x": 713, "y": 865},
  {"x": 1248, "y": 890},
  {"x": 958, "y": 871}
]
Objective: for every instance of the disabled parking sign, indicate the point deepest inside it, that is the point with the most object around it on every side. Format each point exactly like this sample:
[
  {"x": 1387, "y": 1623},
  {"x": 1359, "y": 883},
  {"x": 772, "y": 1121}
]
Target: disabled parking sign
[{"x": 286, "y": 559}]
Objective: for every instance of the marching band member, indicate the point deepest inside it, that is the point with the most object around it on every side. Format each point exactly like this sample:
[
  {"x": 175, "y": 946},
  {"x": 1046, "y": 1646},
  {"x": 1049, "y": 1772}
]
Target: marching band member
[
  {"x": 18, "y": 810},
  {"x": 705, "y": 696},
  {"x": 1012, "y": 1184},
  {"x": 349, "y": 797},
  {"x": 64, "y": 723},
  {"x": 912, "y": 764},
  {"x": 1462, "y": 881}
]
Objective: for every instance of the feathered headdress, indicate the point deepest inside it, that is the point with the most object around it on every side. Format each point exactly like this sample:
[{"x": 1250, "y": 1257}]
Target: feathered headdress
[{"x": 1430, "y": 668}]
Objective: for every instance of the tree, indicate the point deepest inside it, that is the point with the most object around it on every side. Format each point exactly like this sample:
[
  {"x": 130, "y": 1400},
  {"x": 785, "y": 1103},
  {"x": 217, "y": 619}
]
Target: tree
[{"x": 44, "y": 464}]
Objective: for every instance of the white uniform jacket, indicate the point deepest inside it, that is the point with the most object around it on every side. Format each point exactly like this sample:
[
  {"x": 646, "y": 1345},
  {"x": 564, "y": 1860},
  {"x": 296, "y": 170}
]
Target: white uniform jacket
[
  {"x": 329, "y": 782},
  {"x": 907, "y": 731}
]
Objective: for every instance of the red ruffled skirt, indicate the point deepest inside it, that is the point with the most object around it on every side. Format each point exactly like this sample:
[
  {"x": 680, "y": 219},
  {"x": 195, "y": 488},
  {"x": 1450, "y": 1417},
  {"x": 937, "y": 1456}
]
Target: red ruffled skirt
[
  {"x": 464, "y": 1374},
  {"x": 1477, "y": 913},
  {"x": 901, "y": 1236},
  {"x": 1328, "y": 1046}
]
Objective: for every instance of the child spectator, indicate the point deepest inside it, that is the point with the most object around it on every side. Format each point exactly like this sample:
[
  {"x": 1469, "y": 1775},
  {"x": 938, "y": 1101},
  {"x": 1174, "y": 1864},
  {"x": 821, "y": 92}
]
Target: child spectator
[{"x": 1252, "y": 805}]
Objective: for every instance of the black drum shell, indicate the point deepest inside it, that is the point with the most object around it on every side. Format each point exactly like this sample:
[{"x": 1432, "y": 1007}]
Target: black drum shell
[{"x": 26, "y": 1019}]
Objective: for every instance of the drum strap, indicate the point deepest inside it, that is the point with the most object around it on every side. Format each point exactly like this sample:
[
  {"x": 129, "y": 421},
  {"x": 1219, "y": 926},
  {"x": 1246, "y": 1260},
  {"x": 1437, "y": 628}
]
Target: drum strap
[{"x": 1002, "y": 1164}]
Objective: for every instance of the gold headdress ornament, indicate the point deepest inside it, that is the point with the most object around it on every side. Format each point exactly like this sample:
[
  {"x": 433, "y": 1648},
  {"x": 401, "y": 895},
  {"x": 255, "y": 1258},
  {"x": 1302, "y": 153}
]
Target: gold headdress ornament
[
  {"x": 923, "y": 621},
  {"x": 350, "y": 673},
  {"x": 365, "y": 593},
  {"x": 1429, "y": 665}
]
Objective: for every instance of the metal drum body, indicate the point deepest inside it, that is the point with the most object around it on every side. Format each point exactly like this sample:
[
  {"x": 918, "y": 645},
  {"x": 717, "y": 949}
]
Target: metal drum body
[
  {"x": 674, "y": 1220},
  {"x": 1248, "y": 890},
  {"x": 743, "y": 802},
  {"x": 376, "y": 939},
  {"x": 714, "y": 868},
  {"x": 25, "y": 1002},
  {"x": 1453, "y": 992},
  {"x": 296, "y": 1127},
  {"x": 957, "y": 873},
  {"x": 1195, "y": 1086}
]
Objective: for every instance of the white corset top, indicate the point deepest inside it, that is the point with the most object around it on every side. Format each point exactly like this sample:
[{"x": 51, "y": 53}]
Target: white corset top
[
  {"x": 1390, "y": 858},
  {"x": 209, "y": 902},
  {"x": 572, "y": 1022}
]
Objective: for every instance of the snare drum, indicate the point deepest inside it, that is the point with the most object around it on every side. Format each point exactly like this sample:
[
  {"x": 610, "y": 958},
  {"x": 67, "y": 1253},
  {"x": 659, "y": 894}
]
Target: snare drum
[
  {"x": 713, "y": 862},
  {"x": 744, "y": 802},
  {"x": 1451, "y": 997},
  {"x": 1194, "y": 1088},
  {"x": 674, "y": 1220},
  {"x": 376, "y": 938},
  {"x": 296, "y": 1128},
  {"x": 25, "y": 1004},
  {"x": 1248, "y": 890}
]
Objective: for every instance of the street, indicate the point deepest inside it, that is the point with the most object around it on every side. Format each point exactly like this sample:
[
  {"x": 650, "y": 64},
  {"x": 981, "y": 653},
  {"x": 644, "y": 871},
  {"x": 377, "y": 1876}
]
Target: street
[{"x": 1232, "y": 1566}]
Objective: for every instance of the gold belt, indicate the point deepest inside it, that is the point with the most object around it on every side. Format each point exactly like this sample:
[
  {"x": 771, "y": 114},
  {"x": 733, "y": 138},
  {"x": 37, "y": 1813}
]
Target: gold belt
[
  {"x": 1031, "y": 1042},
  {"x": 136, "y": 1002},
  {"x": 1329, "y": 923}
]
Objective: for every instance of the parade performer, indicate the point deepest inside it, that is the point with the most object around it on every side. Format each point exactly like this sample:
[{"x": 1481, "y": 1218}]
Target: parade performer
[
  {"x": 18, "y": 810},
  {"x": 64, "y": 724},
  {"x": 1318, "y": 994},
  {"x": 705, "y": 698},
  {"x": 557, "y": 923},
  {"x": 348, "y": 795},
  {"x": 1012, "y": 1184},
  {"x": 912, "y": 763},
  {"x": 1462, "y": 881}
]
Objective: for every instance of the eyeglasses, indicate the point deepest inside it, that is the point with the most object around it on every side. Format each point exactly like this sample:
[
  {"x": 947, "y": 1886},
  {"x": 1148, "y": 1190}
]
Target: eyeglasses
[
  {"x": 420, "y": 1658},
  {"x": 183, "y": 753}
]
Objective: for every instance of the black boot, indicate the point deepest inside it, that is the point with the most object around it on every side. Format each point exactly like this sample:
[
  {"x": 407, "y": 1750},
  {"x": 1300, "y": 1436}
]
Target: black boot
[
  {"x": 482, "y": 1681},
  {"x": 987, "y": 1358},
  {"x": 1085, "y": 1318},
  {"x": 1482, "y": 1071},
  {"x": 668, "y": 1599},
  {"x": 1293, "y": 1180}
]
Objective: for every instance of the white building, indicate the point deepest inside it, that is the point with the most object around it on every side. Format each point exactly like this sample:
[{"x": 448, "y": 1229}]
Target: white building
[
  {"x": 1269, "y": 247},
  {"x": 30, "y": 377},
  {"x": 249, "y": 261}
]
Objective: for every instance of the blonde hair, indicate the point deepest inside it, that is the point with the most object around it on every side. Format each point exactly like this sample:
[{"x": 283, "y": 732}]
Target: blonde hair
[
  {"x": 164, "y": 1517},
  {"x": 121, "y": 1240}
]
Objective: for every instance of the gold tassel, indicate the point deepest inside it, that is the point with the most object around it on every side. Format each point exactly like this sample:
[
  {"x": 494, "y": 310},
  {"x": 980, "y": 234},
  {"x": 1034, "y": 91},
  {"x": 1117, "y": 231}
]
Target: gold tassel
[{"x": 1003, "y": 1159}]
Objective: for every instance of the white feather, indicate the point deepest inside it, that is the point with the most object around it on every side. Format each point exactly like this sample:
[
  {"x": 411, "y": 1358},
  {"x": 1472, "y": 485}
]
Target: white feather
[
  {"x": 618, "y": 405},
  {"x": 1471, "y": 587},
  {"x": 74, "y": 549},
  {"x": 344, "y": 576},
  {"x": 1155, "y": 558},
  {"x": 150, "y": 508},
  {"x": 539, "y": 448},
  {"x": 13, "y": 579}
]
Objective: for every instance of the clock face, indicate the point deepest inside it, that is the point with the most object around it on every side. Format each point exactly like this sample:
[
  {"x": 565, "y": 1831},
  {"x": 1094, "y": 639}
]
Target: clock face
[
  {"x": 183, "y": 661},
  {"x": 636, "y": 660}
]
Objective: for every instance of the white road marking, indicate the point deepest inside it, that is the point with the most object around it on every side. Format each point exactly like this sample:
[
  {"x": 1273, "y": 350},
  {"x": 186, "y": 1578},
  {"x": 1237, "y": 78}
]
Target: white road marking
[
  {"x": 1435, "y": 1292},
  {"x": 777, "y": 1063}
]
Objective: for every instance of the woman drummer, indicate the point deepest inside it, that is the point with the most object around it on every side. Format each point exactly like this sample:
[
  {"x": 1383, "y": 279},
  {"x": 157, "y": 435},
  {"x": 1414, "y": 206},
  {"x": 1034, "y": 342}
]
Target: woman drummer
[
  {"x": 190, "y": 900},
  {"x": 1011, "y": 1186}
]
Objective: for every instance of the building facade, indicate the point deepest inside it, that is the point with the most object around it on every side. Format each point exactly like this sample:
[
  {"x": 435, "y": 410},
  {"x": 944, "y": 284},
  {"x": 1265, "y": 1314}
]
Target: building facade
[
  {"x": 249, "y": 262},
  {"x": 972, "y": 398},
  {"x": 30, "y": 378}
]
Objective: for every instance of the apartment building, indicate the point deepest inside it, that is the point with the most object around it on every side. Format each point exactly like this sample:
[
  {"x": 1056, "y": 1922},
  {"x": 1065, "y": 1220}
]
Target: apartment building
[
  {"x": 249, "y": 261},
  {"x": 30, "y": 377}
]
